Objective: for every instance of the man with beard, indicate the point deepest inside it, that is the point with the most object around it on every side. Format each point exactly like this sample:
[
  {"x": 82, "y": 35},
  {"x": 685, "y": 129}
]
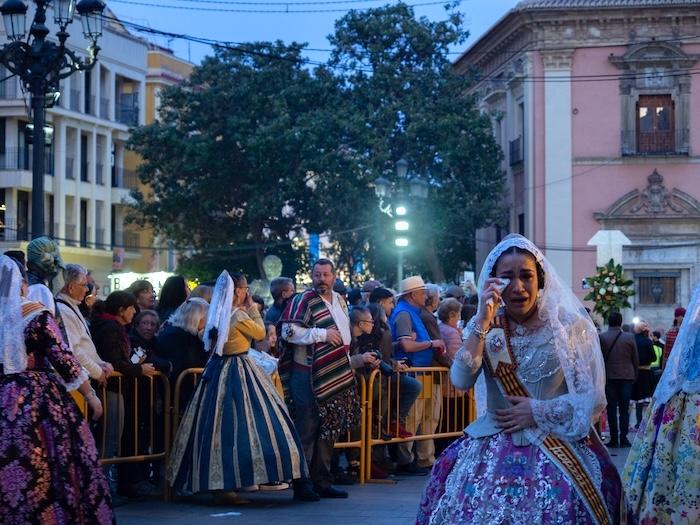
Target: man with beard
[{"x": 319, "y": 385}]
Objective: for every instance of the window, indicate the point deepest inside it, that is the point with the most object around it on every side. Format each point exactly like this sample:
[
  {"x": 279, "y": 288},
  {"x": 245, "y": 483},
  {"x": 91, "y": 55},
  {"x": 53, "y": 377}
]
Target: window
[
  {"x": 657, "y": 288},
  {"x": 655, "y": 124}
]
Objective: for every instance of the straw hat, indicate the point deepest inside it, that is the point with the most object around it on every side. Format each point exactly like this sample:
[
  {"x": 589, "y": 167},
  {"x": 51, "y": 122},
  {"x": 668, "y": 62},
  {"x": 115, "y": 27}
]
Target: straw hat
[{"x": 411, "y": 284}]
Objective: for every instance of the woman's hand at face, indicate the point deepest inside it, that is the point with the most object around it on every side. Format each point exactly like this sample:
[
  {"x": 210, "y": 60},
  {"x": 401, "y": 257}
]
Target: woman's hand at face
[
  {"x": 489, "y": 301},
  {"x": 517, "y": 417}
]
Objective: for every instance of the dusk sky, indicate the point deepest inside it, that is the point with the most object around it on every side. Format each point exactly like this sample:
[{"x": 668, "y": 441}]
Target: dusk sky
[{"x": 223, "y": 20}]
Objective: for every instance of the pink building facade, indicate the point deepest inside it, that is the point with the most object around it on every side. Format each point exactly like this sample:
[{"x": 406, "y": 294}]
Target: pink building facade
[{"x": 596, "y": 104}]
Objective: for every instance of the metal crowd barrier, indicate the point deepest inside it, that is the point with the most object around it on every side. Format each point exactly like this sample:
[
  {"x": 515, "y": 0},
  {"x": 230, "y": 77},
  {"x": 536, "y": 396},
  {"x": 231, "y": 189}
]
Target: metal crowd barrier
[
  {"x": 455, "y": 410},
  {"x": 379, "y": 401},
  {"x": 114, "y": 395}
]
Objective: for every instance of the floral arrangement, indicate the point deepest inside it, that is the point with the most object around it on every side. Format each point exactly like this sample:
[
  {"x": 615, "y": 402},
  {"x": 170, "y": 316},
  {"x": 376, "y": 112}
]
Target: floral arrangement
[{"x": 610, "y": 290}]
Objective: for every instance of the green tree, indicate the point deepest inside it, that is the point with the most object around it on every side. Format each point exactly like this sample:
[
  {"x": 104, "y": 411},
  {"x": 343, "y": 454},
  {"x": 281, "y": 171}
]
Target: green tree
[
  {"x": 227, "y": 162},
  {"x": 402, "y": 99}
]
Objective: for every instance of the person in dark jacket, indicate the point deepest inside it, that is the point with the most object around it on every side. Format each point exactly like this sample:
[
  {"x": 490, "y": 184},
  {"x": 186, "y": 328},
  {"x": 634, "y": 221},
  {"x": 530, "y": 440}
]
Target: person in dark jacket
[
  {"x": 644, "y": 385},
  {"x": 108, "y": 330},
  {"x": 143, "y": 335},
  {"x": 180, "y": 343},
  {"x": 621, "y": 366}
]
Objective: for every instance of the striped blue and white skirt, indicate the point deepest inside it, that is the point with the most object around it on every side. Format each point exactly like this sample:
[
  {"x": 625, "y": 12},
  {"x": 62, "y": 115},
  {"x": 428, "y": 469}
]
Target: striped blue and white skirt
[{"x": 236, "y": 432}]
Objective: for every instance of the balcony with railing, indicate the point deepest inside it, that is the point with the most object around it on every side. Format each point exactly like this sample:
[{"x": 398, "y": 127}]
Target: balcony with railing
[
  {"x": 515, "y": 151},
  {"x": 9, "y": 90},
  {"x": 70, "y": 164},
  {"x": 74, "y": 100},
  {"x": 14, "y": 230},
  {"x": 129, "y": 240},
  {"x": 99, "y": 174},
  {"x": 85, "y": 171},
  {"x": 657, "y": 142},
  {"x": 123, "y": 178},
  {"x": 100, "y": 239},
  {"x": 71, "y": 237},
  {"x": 21, "y": 158},
  {"x": 104, "y": 108},
  {"x": 90, "y": 107},
  {"x": 126, "y": 110}
]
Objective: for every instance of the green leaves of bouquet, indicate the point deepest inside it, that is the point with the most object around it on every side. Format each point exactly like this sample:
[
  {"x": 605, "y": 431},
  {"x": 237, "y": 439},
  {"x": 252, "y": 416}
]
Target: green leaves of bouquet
[{"x": 610, "y": 290}]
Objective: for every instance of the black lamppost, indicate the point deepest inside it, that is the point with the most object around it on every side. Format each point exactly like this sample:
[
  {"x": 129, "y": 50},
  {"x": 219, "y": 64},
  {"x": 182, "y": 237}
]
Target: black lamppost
[{"x": 40, "y": 64}]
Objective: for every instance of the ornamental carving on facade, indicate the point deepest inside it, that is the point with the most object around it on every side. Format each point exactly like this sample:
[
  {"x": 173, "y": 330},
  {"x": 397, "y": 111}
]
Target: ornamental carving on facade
[{"x": 653, "y": 201}]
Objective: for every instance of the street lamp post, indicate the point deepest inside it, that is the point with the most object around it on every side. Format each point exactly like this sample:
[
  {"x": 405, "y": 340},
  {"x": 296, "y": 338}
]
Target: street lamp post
[
  {"x": 391, "y": 202},
  {"x": 41, "y": 64}
]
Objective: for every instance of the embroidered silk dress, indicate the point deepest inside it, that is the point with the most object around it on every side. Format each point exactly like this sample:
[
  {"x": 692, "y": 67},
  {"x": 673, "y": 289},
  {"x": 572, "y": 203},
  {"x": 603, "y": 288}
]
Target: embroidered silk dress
[
  {"x": 49, "y": 466},
  {"x": 490, "y": 477},
  {"x": 236, "y": 431},
  {"x": 662, "y": 473}
]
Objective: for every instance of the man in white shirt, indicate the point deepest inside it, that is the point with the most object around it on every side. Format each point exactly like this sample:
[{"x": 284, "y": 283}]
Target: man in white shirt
[
  {"x": 77, "y": 331},
  {"x": 319, "y": 384}
]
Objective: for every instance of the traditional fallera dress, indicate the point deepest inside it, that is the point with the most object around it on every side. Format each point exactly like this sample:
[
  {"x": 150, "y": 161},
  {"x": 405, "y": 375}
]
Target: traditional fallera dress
[
  {"x": 557, "y": 471},
  {"x": 236, "y": 431},
  {"x": 662, "y": 472},
  {"x": 49, "y": 465}
]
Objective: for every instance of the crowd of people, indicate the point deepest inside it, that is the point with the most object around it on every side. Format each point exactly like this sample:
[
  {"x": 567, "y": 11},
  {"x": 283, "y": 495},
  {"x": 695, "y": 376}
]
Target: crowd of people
[{"x": 542, "y": 373}]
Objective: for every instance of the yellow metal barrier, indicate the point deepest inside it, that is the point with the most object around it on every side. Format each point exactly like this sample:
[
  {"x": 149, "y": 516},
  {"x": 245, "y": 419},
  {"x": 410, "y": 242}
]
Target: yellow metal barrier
[
  {"x": 455, "y": 409},
  {"x": 112, "y": 394},
  {"x": 353, "y": 440}
]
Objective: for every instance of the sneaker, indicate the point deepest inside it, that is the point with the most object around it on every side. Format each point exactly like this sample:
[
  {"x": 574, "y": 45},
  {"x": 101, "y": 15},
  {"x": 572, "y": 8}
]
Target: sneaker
[
  {"x": 277, "y": 485},
  {"x": 304, "y": 492}
]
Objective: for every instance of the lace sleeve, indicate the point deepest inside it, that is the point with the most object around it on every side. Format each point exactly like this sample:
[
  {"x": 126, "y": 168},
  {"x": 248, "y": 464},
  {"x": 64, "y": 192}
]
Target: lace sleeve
[
  {"x": 565, "y": 416},
  {"x": 465, "y": 369}
]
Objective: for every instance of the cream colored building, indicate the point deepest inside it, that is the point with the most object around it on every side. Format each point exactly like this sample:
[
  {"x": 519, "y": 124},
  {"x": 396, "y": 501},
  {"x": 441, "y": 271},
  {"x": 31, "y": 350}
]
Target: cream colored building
[{"x": 89, "y": 174}]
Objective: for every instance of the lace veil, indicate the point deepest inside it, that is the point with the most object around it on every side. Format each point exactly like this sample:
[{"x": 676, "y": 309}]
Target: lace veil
[
  {"x": 682, "y": 371},
  {"x": 13, "y": 351},
  {"x": 219, "y": 316},
  {"x": 575, "y": 341}
]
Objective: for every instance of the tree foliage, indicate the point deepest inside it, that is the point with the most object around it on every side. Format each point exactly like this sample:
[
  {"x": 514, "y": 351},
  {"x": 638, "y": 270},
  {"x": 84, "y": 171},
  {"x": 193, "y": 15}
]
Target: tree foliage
[{"x": 255, "y": 147}]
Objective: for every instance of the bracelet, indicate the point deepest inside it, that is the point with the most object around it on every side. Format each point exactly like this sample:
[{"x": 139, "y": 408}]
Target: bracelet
[{"x": 476, "y": 330}]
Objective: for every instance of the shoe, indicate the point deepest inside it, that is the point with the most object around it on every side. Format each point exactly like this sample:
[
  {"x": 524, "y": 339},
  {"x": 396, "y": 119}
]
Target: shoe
[
  {"x": 377, "y": 472},
  {"x": 397, "y": 430},
  {"x": 343, "y": 478},
  {"x": 228, "y": 497},
  {"x": 304, "y": 492},
  {"x": 613, "y": 444},
  {"x": 250, "y": 488},
  {"x": 624, "y": 443},
  {"x": 277, "y": 485},
  {"x": 411, "y": 469},
  {"x": 332, "y": 492}
]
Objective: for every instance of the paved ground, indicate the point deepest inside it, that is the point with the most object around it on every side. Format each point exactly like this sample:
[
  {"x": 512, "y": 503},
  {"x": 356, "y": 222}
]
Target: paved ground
[{"x": 370, "y": 504}]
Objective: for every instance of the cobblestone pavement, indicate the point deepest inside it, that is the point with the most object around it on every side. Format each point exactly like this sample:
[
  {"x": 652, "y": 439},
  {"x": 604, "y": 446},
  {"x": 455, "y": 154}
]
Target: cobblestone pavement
[{"x": 369, "y": 504}]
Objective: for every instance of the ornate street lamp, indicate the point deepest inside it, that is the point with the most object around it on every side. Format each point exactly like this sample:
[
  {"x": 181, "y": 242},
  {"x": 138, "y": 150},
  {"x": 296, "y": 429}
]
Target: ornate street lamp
[
  {"x": 41, "y": 64},
  {"x": 416, "y": 188}
]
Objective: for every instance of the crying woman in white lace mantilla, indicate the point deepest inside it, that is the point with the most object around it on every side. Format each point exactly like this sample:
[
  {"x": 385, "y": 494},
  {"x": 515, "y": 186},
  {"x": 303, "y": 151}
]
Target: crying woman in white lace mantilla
[{"x": 533, "y": 356}]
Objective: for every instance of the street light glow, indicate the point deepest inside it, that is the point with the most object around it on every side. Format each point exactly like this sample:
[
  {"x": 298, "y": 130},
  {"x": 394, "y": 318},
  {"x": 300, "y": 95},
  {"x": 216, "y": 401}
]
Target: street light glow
[
  {"x": 401, "y": 226},
  {"x": 635, "y": 320},
  {"x": 401, "y": 210},
  {"x": 401, "y": 242}
]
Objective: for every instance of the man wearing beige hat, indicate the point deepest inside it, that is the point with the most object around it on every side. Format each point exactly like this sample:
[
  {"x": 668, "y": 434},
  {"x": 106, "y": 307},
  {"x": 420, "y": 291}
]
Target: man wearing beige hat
[{"x": 413, "y": 342}]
